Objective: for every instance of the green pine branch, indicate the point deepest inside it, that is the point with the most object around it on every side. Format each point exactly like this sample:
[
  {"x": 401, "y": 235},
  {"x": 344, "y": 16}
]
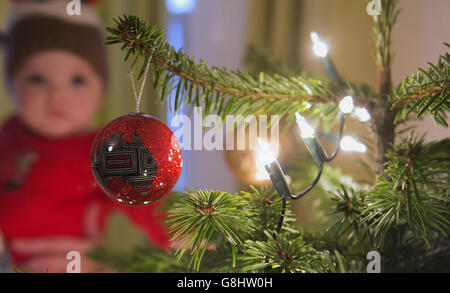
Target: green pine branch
[
  {"x": 414, "y": 191},
  {"x": 382, "y": 31},
  {"x": 285, "y": 255},
  {"x": 428, "y": 91},
  {"x": 260, "y": 59},
  {"x": 148, "y": 259},
  {"x": 217, "y": 89},
  {"x": 264, "y": 206},
  {"x": 411, "y": 198},
  {"x": 350, "y": 204},
  {"x": 230, "y": 231},
  {"x": 198, "y": 216}
]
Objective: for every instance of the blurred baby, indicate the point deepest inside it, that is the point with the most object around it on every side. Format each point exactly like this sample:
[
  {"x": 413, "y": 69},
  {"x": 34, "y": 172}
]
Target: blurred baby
[{"x": 57, "y": 75}]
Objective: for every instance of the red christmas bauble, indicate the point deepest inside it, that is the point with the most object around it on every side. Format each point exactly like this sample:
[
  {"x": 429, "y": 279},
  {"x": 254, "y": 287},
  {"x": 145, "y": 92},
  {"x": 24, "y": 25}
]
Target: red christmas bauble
[{"x": 136, "y": 159}]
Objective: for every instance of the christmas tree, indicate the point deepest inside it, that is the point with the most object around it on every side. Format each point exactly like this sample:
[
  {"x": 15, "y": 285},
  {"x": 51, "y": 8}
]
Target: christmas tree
[{"x": 404, "y": 217}]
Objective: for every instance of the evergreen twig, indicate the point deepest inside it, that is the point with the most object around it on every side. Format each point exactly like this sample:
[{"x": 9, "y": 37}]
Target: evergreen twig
[
  {"x": 216, "y": 88},
  {"x": 428, "y": 91}
]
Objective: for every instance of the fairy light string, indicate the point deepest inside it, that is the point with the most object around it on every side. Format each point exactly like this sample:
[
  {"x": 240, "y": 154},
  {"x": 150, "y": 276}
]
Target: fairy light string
[{"x": 308, "y": 135}]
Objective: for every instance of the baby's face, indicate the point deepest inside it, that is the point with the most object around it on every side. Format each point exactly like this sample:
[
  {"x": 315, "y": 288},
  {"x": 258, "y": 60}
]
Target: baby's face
[{"x": 57, "y": 93}]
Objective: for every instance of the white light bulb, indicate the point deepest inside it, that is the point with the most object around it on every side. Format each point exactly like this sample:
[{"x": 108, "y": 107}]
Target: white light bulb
[
  {"x": 261, "y": 173},
  {"x": 362, "y": 114},
  {"x": 181, "y": 6},
  {"x": 264, "y": 153},
  {"x": 314, "y": 37},
  {"x": 319, "y": 47},
  {"x": 346, "y": 105},
  {"x": 306, "y": 131},
  {"x": 349, "y": 144}
]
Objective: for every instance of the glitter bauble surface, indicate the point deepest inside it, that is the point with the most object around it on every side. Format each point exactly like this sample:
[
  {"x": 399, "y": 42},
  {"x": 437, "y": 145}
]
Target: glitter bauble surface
[{"x": 136, "y": 159}]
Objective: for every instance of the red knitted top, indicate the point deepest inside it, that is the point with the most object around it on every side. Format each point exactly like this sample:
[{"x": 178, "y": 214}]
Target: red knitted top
[{"x": 46, "y": 186}]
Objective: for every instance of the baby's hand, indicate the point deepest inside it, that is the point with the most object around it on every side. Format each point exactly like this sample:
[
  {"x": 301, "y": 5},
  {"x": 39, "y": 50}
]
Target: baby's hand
[{"x": 51, "y": 252}]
